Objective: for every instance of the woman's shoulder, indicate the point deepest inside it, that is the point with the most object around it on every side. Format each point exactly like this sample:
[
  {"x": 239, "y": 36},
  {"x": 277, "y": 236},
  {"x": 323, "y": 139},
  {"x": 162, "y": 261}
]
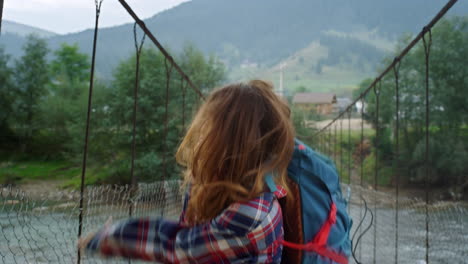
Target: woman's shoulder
[{"x": 244, "y": 217}]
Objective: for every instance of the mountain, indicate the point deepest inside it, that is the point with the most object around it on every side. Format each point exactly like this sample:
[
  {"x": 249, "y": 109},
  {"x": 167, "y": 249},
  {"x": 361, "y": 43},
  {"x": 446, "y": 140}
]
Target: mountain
[
  {"x": 336, "y": 41},
  {"x": 22, "y": 30}
]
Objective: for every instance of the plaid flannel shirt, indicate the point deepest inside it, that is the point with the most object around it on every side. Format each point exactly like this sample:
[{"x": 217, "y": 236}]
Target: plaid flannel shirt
[{"x": 249, "y": 232}]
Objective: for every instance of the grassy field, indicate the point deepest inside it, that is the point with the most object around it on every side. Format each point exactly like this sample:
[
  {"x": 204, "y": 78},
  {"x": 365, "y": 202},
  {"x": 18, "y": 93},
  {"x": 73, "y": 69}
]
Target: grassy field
[
  {"x": 22, "y": 172},
  {"x": 37, "y": 170}
]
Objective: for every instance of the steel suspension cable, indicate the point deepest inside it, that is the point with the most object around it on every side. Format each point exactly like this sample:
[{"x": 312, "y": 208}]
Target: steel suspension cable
[
  {"x": 138, "y": 49},
  {"x": 376, "y": 167},
  {"x": 168, "y": 69},
  {"x": 319, "y": 145},
  {"x": 402, "y": 54},
  {"x": 341, "y": 146},
  {"x": 184, "y": 90},
  {"x": 160, "y": 47},
  {"x": 427, "y": 50},
  {"x": 396, "y": 169},
  {"x": 335, "y": 145},
  {"x": 98, "y": 5},
  {"x": 358, "y": 240},
  {"x": 390, "y": 67},
  {"x": 330, "y": 149},
  {"x": 349, "y": 147},
  {"x": 361, "y": 160},
  {"x": 354, "y": 242},
  {"x": 1, "y": 15}
]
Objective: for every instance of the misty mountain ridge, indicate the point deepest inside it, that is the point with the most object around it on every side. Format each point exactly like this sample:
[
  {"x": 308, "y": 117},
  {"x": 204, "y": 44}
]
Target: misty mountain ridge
[
  {"x": 326, "y": 45},
  {"x": 23, "y": 30}
]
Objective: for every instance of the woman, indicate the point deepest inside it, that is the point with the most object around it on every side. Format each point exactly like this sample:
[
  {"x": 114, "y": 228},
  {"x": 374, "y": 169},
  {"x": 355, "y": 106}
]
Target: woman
[{"x": 240, "y": 134}]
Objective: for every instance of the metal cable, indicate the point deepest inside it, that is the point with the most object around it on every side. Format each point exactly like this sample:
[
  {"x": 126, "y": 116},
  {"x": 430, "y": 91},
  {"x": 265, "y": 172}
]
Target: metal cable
[
  {"x": 358, "y": 240},
  {"x": 335, "y": 144},
  {"x": 396, "y": 72},
  {"x": 361, "y": 158},
  {"x": 138, "y": 49},
  {"x": 160, "y": 47},
  {"x": 427, "y": 51},
  {"x": 341, "y": 146},
  {"x": 98, "y": 5},
  {"x": 402, "y": 54},
  {"x": 376, "y": 167},
  {"x": 168, "y": 69},
  {"x": 330, "y": 150},
  {"x": 353, "y": 244},
  {"x": 166, "y": 117},
  {"x": 1, "y": 15},
  {"x": 349, "y": 147},
  {"x": 184, "y": 90}
]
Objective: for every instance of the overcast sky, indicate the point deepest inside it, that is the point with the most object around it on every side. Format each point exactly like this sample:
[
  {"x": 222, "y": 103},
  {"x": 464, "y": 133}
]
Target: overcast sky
[{"x": 64, "y": 16}]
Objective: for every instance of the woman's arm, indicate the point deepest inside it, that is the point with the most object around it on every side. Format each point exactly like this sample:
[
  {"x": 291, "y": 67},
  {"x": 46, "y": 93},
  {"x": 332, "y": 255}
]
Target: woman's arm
[
  {"x": 240, "y": 232},
  {"x": 162, "y": 240}
]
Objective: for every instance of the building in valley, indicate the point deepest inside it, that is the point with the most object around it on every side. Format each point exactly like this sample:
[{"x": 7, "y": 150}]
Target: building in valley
[{"x": 320, "y": 103}]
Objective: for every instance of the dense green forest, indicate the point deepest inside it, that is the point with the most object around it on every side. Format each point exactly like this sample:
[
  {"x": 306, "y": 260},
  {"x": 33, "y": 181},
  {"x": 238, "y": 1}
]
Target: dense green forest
[
  {"x": 448, "y": 110},
  {"x": 43, "y": 106},
  {"x": 43, "y": 112}
]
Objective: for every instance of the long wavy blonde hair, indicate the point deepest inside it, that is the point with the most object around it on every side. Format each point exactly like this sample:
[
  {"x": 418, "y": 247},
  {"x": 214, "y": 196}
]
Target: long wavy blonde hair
[{"x": 240, "y": 133}]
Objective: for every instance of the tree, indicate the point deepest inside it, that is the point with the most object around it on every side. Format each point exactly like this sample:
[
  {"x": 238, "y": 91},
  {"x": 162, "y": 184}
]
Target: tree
[
  {"x": 449, "y": 74},
  {"x": 6, "y": 88},
  {"x": 31, "y": 76},
  {"x": 204, "y": 72},
  {"x": 152, "y": 138},
  {"x": 70, "y": 63},
  {"x": 63, "y": 102},
  {"x": 448, "y": 109},
  {"x": 6, "y": 98}
]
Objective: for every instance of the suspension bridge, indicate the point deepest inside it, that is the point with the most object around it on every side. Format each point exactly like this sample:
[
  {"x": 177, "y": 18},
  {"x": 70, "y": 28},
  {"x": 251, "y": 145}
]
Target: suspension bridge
[{"x": 391, "y": 224}]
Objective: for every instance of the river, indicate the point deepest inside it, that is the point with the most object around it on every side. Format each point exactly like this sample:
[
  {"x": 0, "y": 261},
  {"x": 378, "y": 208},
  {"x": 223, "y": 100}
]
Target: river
[{"x": 46, "y": 231}]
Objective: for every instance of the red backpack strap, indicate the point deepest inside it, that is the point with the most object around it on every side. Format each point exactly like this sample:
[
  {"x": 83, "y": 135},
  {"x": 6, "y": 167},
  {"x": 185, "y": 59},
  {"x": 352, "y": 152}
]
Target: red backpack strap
[
  {"x": 319, "y": 243},
  {"x": 321, "y": 237}
]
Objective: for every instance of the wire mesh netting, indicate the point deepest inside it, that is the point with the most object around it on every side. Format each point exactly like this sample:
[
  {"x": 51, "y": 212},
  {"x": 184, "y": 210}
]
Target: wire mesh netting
[
  {"x": 422, "y": 225},
  {"x": 45, "y": 230},
  {"x": 448, "y": 234}
]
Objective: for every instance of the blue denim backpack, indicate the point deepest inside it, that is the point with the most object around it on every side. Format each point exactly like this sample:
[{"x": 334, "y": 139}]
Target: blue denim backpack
[{"x": 317, "y": 224}]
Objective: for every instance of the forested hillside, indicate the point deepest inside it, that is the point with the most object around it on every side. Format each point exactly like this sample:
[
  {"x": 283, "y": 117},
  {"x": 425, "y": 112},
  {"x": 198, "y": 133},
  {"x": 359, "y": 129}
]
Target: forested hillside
[
  {"x": 24, "y": 30},
  {"x": 319, "y": 46},
  {"x": 356, "y": 35}
]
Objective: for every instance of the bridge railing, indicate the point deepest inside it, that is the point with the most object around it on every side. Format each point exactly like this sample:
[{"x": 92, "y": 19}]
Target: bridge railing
[
  {"x": 394, "y": 221},
  {"x": 44, "y": 229},
  {"x": 174, "y": 76},
  {"x": 390, "y": 226}
]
